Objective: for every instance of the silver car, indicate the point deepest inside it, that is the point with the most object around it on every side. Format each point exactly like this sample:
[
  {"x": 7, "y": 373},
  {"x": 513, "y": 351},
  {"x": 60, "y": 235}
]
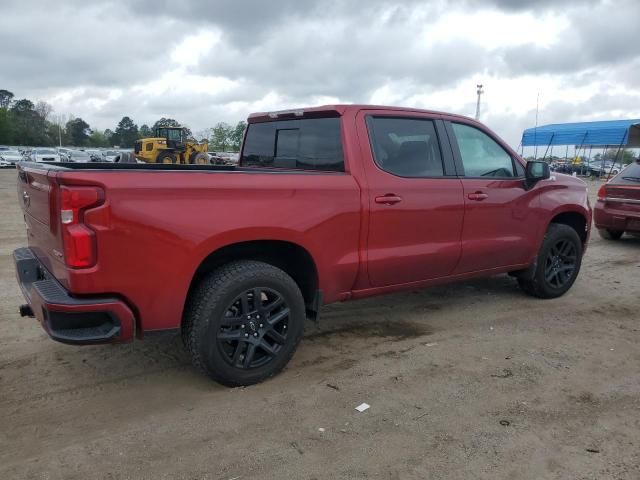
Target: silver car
[
  {"x": 44, "y": 155},
  {"x": 11, "y": 156}
]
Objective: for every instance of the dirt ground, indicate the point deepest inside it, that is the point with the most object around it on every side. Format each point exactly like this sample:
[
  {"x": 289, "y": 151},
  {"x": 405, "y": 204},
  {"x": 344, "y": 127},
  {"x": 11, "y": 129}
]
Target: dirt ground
[{"x": 469, "y": 381}]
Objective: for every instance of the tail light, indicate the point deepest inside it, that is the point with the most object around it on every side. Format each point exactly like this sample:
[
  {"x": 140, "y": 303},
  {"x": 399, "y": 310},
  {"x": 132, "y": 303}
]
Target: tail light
[
  {"x": 602, "y": 192},
  {"x": 78, "y": 240}
]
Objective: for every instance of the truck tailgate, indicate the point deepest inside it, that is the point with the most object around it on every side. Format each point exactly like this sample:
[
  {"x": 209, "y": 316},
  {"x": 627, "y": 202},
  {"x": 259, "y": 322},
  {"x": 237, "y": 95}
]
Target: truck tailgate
[{"x": 37, "y": 194}]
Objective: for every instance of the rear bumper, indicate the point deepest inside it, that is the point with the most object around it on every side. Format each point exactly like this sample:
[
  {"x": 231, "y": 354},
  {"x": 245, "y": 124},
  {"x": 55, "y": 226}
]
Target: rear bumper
[
  {"x": 611, "y": 216},
  {"x": 77, "y": 321}
]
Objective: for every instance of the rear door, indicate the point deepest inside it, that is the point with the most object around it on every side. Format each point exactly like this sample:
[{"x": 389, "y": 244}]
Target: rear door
[
  {"x": 498, "y": 228},
  {"x": 416, "y": 207}
]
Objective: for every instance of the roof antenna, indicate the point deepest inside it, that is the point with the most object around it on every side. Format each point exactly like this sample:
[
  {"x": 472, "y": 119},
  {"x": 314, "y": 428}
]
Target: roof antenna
[{"x": 480, "y": 92}]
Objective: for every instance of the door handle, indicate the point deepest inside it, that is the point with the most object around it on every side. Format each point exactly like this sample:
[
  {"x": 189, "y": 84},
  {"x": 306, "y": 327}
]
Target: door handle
[
  {"x": 477, "y": 196},
  {"x": 389, "y": 199}
]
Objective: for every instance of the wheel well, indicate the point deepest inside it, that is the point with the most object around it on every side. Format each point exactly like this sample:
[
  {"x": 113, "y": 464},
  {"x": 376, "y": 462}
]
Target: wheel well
[
  {"x": 575, "y": 220},
  {"x": 289, "y": 257}
]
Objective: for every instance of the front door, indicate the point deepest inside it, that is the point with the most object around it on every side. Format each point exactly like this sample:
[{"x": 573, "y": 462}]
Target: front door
[
  {"x": 416, "y": 207},
  {"x": 500, "y": 224}
]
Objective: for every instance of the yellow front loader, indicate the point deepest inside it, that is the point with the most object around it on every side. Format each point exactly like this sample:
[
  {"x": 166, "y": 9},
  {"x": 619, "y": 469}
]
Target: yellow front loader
[{"x": 171, "y": 145}]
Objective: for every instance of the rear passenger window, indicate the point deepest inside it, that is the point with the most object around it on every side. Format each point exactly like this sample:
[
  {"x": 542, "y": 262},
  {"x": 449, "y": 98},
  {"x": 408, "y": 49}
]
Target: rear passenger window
[
  {"x": 306, "y": 144},
  {"x": 407, "y": 147},
  {"x": 481, "y": 155}
]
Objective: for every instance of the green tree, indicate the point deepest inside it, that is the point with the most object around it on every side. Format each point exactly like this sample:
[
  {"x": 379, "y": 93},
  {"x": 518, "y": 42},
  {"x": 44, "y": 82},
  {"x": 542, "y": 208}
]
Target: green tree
[
  {"x": 6, "y": 126},
  {"x": 28, "y": 125},
  {"x": 126, "y": 133},
  {"x": 5, "y": 98},
  {"x": 78, "y": 132},
  {"x": 237, "y": 134},
  {"x": 98, "y": 139},
  {"x": 221, "y": 136},
  {"x": 145, "y": 131}
]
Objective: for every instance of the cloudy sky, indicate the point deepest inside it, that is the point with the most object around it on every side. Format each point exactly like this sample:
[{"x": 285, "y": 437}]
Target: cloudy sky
[{"x": 204, "y": 61}]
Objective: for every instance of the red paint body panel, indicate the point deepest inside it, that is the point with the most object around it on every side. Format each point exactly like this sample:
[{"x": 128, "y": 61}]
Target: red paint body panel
[{"x": 155, "y": 227}]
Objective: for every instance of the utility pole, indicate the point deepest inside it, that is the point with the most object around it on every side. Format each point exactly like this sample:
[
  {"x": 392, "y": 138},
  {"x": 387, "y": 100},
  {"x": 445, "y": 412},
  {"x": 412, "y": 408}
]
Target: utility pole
[{"x": 480, "y": 92}]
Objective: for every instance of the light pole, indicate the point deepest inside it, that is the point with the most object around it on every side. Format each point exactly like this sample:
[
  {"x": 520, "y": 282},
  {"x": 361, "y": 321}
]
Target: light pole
[{"x": 480, "y": 92}]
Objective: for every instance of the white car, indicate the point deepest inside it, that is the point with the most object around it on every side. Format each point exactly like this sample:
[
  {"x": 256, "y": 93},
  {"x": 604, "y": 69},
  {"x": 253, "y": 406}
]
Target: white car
[
  {"x": 11, "y": 156},
  {"x": 78, "y": 156},
  {"x": 44, "y": 155},
  {"x": 4, "y": 164}
]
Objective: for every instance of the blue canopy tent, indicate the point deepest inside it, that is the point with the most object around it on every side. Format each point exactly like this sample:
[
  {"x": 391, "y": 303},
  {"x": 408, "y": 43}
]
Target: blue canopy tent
[
  {"x": 602, "y": 134},
  {"x": 623, "y": 133}
]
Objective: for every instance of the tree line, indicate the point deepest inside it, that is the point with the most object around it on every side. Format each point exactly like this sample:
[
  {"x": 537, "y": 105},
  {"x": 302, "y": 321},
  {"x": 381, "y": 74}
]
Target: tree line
[{"x": 23, "y": 122}]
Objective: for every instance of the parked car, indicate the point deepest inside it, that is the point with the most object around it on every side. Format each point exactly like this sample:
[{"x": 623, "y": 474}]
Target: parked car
[
  {"x": 11, "y": 156},
  {"x": 110, "y": 155},
  {"x": 64, "y": 153},
  {"x": 44, "y": 155},
  {"x": 5, "y": 164},
  {"x": 599, "y": 169},
  {"x": 617, "y": 209},
  {"x": 327, "y": 204},
  {"x": 78, "y": 156},
  {"x": 95, "y": 155}
]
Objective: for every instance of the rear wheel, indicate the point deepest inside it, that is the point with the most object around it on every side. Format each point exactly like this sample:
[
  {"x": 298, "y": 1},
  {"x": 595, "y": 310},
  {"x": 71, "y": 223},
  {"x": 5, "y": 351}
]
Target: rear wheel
[
  {"x": 244, "y": 322},
  {"x": 608, "y": 234},
  {"x": 557, "y": 264},
  {"x": 166, "y": 156}
]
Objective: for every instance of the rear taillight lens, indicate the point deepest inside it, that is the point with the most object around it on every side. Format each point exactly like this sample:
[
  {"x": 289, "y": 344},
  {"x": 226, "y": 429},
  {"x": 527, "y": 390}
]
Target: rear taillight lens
[
  {"x": 602, "y": 192},
  {"x": 78, "y": 239}
]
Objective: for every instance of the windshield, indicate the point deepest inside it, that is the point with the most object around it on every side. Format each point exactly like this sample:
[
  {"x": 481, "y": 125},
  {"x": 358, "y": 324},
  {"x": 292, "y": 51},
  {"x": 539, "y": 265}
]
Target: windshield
[
  {"x": 10, "y": 152},
  {"x": 79, "y": 154},
  {"x": 46, "y": 151}
]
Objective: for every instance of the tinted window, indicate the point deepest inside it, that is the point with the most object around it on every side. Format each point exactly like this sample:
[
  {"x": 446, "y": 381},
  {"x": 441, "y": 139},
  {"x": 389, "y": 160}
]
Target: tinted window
[
  {"x": 631, "y": 172},
  {"x": 309, "y": 144},
  {"x": 407, "y": 147},
  {"x": 481, "y": 155}
]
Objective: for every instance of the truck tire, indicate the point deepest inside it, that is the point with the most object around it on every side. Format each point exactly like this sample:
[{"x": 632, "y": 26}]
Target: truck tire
[
  {"x": 557, "y": 264},
  {"x": 610, "y": 234},
  {"x": 199, "y": 158},
  {"x": 166, "y": 156},
  {"x": 243, "y": 322},
  {"x": 125, "y": 157}
]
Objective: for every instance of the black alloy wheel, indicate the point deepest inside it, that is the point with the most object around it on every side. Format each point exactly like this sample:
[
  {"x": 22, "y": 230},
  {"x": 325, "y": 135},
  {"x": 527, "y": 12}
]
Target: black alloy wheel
[
  {"x": 254, "y": 328},
  {"x": 560, "y": 263}
]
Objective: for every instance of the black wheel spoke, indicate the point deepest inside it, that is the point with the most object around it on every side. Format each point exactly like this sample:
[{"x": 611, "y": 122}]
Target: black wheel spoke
[
  {"x": 240, "y": 347},
  {"x": 268, "y": 349},
  {"x": 228, "y": 335},
  {"x": 248, "y": 357},
  {"x": 274, "y": 304},
  {"x": 244, "y": 300},
  {"x": 275, "y": 336},
  {"x": 278, "y": 317}
]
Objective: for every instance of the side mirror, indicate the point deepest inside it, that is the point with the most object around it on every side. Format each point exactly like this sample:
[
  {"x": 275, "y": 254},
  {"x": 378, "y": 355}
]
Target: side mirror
[{"x": 536, "y": 171}]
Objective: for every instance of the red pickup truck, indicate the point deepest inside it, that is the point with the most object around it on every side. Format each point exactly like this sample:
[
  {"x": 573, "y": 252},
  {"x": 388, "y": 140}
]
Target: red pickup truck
[{"x": 327, "y": 204}]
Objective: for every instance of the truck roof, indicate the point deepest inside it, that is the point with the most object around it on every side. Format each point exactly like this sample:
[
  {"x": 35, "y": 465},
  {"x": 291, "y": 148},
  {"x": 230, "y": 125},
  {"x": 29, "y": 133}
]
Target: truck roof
[{"x": 338, "y": 110}]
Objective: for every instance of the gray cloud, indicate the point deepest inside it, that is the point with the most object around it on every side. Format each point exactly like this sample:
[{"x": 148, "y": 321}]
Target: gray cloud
[{"x": 298, "y": 51}]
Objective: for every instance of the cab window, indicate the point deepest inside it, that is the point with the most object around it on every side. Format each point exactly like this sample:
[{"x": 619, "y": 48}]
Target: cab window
[
  {"x": 481, "y": 155},
  {"x": 406, "y": 147}
]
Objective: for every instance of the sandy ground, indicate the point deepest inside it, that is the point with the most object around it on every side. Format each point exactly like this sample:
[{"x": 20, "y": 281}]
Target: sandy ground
[{"x": 470, "y": 381}]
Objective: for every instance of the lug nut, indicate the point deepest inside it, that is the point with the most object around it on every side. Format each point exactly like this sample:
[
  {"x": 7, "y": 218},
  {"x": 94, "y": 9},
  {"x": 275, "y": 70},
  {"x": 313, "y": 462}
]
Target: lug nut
[
  {"x": 242, "y": 326},
  {"x": 246, "y": 335},
  {"x": 255, "y": 334},
  {"x": 261, "y": 325},
  {"x": 258, "y": 316}
]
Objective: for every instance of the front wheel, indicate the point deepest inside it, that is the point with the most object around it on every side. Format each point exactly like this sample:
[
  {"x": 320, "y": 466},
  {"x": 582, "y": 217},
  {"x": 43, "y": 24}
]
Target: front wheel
[
  {"x": 557, "y": 264},
  {"x": 244, "y": 322}
]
